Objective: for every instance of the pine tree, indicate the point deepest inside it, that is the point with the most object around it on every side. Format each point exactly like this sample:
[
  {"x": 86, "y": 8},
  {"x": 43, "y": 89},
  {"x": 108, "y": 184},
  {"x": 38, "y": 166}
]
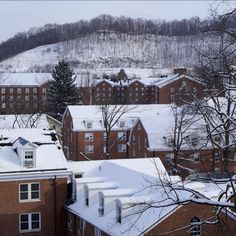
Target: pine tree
[{"x": 62, "y": 91}]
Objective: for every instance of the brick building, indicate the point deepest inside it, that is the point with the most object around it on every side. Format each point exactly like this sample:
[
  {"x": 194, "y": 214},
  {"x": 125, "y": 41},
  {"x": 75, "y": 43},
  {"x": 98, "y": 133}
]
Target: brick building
[
  {"x": 145, "y": 131},
  {"x": 115, "y": 198},
  {"x": 23, "y": 92},
  {"x": 33, "y": 183},
  {"x": 177, "y": 87}
]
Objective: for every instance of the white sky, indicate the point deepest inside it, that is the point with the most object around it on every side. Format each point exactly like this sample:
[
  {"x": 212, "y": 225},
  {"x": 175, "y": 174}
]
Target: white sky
[{"x": 18, "y": 16}]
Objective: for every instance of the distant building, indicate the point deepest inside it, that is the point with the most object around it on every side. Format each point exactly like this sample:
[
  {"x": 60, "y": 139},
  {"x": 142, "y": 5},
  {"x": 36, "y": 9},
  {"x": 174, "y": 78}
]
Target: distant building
[
  {"x": 33, "y": 183},
  {"x": 22, "y": 93},
  {"x": 177, "y": 87}
]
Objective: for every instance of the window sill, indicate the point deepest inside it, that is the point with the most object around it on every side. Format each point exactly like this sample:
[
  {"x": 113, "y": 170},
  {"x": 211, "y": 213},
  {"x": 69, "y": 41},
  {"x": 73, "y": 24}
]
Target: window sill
[
  {"x": 28, "y": 201},
  {"x": 29, "y": 231}
]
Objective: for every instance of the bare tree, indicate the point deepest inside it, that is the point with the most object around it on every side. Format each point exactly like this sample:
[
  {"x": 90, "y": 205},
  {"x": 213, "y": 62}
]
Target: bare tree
[
  {"x": 183, "y": 135},
  {"x": 111, "y": 115}
]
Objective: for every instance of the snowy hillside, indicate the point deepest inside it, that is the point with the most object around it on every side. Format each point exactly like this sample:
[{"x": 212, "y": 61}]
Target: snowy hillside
[{"x": 111, "y": 50}]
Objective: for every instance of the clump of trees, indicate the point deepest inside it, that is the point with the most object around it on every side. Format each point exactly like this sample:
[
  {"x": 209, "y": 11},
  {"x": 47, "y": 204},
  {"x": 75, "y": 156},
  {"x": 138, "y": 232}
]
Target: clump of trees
[{"x": 53, "y": 33}]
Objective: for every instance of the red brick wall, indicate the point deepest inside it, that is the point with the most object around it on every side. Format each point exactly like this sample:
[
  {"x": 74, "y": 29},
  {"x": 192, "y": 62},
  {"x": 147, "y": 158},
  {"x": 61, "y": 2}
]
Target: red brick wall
[
  {"x": 172, "y": 93},
  {"x": 11, "y": 207},
  {"x": 181, "y": 218}
]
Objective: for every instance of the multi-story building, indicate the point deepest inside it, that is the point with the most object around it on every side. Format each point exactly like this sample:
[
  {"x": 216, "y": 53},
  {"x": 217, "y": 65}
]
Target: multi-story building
[
  {"x": 177, "y": 87},
  {"x": 144, "y": 131},
  {"x": 33, "y": 183},
  {"x": 134, "y": 197},
  {"x": 23, "y": 92}
]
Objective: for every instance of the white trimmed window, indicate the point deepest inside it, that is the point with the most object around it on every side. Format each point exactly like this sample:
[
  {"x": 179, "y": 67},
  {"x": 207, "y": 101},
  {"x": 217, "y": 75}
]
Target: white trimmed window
[
  {"x": 104, "y": 136},
  {"x": 88, "y": 136},
  {"x": 82, "y": 226},
  {"x": 29, "y": 192},
  {"x": 195, "y": 157},
  {"x": 27, "y": 90},
  {"x": 3, "y": 90},
  {"x": 121, "y": 123},
  {"x": 121, "y": 135},
  {"x": 101, "y": 205},
  {"x": 11, "y": 90},
  {"x": 89, "y": 149},
  {"x": 35, "y": 90},
  {"x": 169, "y": 157},
  {"x": 30, "y": 222},
  {"x": 195, "y": 226},
  {"x": 96, "y": 231},
  {"x": 29, "y": 159},
  {"x": 121, "y": 147},
  {"x": 89, "y": 124}
]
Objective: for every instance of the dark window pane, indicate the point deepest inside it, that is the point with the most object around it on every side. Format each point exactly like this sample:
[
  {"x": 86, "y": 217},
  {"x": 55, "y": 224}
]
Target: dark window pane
[
  {"x": 24, "y": 226},
  {"x": 24, "y": 196},
  {"x": 34, "y": 187},
  {"x": 35, "y": 225},
  {"x": 35, "y": 195},
  {"x": 35, "y": 216},
  {"x": 24, "y": 217},
  {"x": 24, "y": 187}
]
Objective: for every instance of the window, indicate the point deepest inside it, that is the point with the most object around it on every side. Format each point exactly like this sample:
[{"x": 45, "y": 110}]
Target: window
[
  {"x": 26, "y": 98},
  {"x": 89, "y": 124},
  {"x": 86, "y": 196},
  {"x": 70, "y": 221},
  {"x": 29, "y": 192},
  {"x": 118, "y": 213},
  {"x": 194, "y": 157},
  {"x": 133, "y": 139},
  {"x": 96, "y": 231},
  {"x": 44, "y": 90},
  {"x": 3, "y": 90},
  {"x": 35, "y": 105},
  {"x": 82, "y": 226},
  {"x": 169, "y": 157},
  {"x": 30, "y": 222},
  {"x": 11, "y": 98},
  {"x": 27, "y": 90},
  {"x": 101, "y": 205},
  {"x": 104, "y": 149},
  {"x": 3, "y": 98},
  {"x": 104, "y": 136},
  {"x": 29, "y": 159},
  {"x": 88, "y": 136},
  {"x": 35, "y": 98},
  {"x": 18, "y": 97},
  {"x": 195, "y": 227},
  {"x": 217, "y": 156},
  {"x": 3, "y": 105},
  {"x": 121, "y": 147},
  {"x": 121, "y": 136},
  {"x": 35, "y": 90},
  {"x": 19, "y": 90},
  {"x": 89, "y": 149},
  {"x": 121, "y": 123},
  {"x": 11, "y": 91}
]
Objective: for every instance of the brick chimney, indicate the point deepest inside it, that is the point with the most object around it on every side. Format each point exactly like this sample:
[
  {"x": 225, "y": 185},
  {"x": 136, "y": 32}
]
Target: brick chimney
[{"x": 180, "y": 70}]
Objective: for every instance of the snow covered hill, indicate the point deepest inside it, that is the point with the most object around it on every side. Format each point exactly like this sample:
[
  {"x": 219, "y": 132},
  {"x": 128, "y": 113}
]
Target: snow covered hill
[{"x": 111, "y": 50}]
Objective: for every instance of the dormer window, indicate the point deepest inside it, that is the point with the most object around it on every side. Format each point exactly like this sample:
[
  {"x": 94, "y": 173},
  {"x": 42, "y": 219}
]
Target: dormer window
[
  {"x": 86, "y": 196},
  {"x": 29, "y": 162},
  {"x": 118, "y": 213},
  {"x": 101, "y": 205},
  {"x": 121, "y": 123},
  {"x": 88, "y": 124}
]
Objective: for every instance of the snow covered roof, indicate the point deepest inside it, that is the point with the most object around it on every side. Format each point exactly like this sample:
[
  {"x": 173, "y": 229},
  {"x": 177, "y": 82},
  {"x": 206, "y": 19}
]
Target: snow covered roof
[
  {"x": 49, "y": 155},
  {"x": 23, "y": 121},
  {"x": 157, "y": 120},
  {"x": 24, "y": 79},
  {"x": 134, "y": 176}
]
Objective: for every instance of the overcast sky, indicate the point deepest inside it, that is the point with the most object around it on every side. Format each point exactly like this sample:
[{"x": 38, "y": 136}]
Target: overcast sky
[{"x": 18, "y": 16}]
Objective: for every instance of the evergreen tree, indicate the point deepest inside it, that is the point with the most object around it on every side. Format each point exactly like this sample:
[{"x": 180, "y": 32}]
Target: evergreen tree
[{"x": 62, "y": 91}]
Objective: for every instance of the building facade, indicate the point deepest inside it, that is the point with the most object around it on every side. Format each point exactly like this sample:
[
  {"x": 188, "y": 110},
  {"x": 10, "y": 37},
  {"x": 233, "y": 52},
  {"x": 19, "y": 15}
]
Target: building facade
[{"x": 33, "y": 182}]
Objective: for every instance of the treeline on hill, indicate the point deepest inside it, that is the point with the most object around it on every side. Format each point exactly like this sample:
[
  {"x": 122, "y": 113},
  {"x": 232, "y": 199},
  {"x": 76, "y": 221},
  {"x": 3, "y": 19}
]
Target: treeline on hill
[{"x": 53, "y": 33}]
